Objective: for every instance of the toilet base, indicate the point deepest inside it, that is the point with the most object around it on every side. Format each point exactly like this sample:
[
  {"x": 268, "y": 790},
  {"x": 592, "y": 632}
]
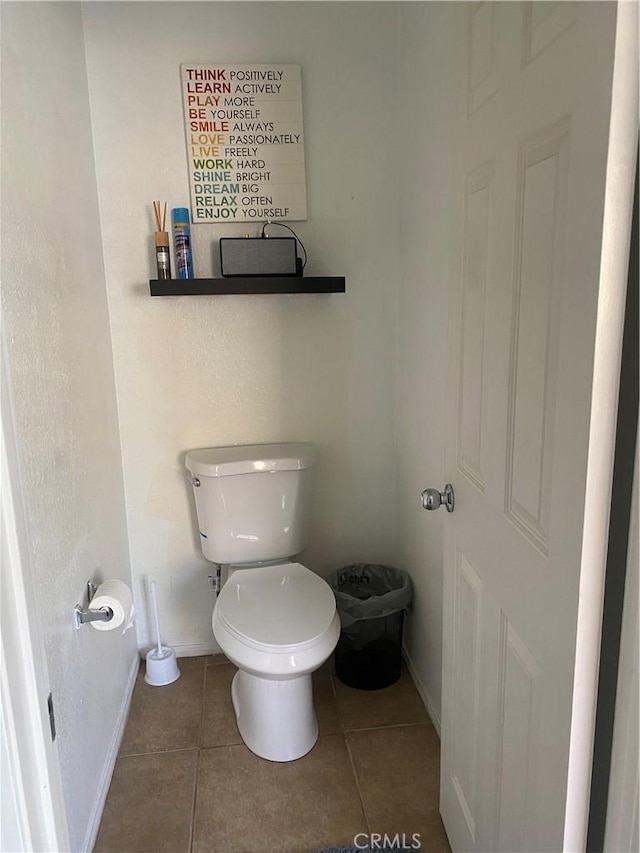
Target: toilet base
[{"x": 276, "y": 718}]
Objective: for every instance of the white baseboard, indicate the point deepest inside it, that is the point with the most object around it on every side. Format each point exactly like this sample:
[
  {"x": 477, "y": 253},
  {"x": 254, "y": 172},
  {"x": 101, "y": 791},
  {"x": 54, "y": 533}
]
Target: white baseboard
[
  {"x": 194, "y": 649},
  {"x": 110, "y": 760},
  {"x": 428, "y": 704},
  {"x": 190, "y": 650}
]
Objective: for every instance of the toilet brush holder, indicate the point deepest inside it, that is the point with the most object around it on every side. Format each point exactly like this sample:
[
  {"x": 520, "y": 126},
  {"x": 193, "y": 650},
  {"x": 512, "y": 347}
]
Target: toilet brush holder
[{"x": 162, "y": 667}]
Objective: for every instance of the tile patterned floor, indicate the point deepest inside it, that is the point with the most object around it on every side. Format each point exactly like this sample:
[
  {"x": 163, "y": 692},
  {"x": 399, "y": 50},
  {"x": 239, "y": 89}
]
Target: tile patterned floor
[{"x": 185, "y": 783}]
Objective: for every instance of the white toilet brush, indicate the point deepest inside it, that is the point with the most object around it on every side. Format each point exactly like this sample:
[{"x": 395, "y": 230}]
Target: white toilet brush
[{"x": 162, "y": 666}]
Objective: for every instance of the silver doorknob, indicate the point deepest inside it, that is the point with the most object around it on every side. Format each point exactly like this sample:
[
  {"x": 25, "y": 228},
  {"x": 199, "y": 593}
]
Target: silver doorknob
[{"x": 433, "y": 499}]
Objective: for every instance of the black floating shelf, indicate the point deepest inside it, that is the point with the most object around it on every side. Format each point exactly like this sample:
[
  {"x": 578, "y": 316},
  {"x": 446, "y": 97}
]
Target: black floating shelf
[{"x": 248, "y": 284}]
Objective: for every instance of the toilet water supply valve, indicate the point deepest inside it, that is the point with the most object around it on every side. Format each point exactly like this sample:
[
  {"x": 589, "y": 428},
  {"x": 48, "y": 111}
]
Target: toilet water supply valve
[{"x": 215, "y": 581}]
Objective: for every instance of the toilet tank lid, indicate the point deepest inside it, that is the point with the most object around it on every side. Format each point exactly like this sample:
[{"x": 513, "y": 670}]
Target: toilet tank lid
[{"x": 250, "y": 459}]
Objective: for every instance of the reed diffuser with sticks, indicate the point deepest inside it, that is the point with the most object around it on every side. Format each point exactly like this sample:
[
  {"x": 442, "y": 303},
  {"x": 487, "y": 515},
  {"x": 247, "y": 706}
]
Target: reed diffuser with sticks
[{"x": 163, "y": 259}]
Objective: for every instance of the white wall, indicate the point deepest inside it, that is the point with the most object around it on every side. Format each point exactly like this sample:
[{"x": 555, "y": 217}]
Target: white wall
[
  {"x": 428, "y": 82},
  {"x": 60, "y": 362},
  {"x": 202, "y": 371}
]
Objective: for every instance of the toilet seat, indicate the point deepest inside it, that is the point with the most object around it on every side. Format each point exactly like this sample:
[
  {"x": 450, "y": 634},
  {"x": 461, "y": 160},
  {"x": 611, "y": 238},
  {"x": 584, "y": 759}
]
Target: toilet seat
[
  {"x": 276, "y": 621},
  {"x": 276, "y": 608}
]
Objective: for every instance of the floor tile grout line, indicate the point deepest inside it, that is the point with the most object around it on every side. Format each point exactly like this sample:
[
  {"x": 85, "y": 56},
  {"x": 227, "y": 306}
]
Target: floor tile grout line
[
  {"x": 357, "y": 781},
  {"x": 385, "y": 726},
  {"x": 192, "y": 827},
  {"x": 332, "y": 682},
  {"x": 160, "y": 751},
  {"x": 321, "y": 736},
  {"x": 202, "y": 708}
]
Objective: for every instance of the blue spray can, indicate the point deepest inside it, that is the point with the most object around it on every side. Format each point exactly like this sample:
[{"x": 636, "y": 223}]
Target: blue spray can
[{"x": 182, "y": 242}]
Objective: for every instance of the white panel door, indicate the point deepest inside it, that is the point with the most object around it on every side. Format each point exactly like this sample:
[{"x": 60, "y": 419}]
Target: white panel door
[{"x": 531, "y": 158}]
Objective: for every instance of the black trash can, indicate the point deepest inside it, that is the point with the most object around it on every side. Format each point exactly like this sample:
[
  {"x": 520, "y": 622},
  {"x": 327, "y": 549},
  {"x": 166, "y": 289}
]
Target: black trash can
[{"x": 371, "y": 601}]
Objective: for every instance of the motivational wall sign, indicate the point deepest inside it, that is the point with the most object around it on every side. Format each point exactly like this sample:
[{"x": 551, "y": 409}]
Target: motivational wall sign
[{"x": 245, "y": 143}]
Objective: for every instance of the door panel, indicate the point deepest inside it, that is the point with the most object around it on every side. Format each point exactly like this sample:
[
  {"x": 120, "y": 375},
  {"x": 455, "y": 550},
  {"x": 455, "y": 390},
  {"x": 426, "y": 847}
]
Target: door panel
[
  {"x": 543, "y": 23},
  {"x": 466, "y": 688},
  {"x": 518, "y": 681},
  {"x": 472, "y": 389},
  {"x": 482, "y": 72},
  {"x": 542, "y": 174}
]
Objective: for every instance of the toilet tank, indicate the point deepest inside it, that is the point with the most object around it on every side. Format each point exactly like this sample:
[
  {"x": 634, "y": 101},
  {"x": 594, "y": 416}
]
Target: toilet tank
[{"x": 252, "y": 501}]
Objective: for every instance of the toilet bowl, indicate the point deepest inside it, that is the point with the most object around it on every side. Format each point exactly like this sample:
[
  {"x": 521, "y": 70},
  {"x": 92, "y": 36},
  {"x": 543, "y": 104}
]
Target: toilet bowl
[
  {"x": 277, "y": 624},
  {"x": 274, "y": 618}
]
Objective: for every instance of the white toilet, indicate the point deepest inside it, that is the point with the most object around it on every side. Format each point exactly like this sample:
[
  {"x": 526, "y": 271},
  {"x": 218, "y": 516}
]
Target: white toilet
[{"x": 274, "y": 619}]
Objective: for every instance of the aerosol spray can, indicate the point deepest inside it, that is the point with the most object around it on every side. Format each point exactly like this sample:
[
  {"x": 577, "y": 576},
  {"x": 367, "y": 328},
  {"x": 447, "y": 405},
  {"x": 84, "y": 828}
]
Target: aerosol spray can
[{"x": 182, "y": 242}]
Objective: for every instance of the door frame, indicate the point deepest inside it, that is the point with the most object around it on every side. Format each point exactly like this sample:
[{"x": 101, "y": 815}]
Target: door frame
[
  {"x": 33, "y": 769},
  {"x": 614, "y": 266},
  {"x": 614, "y": 690}
]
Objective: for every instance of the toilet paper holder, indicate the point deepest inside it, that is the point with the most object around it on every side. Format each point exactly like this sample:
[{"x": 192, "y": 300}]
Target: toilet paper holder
[{"x": 103, "y": 614}]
